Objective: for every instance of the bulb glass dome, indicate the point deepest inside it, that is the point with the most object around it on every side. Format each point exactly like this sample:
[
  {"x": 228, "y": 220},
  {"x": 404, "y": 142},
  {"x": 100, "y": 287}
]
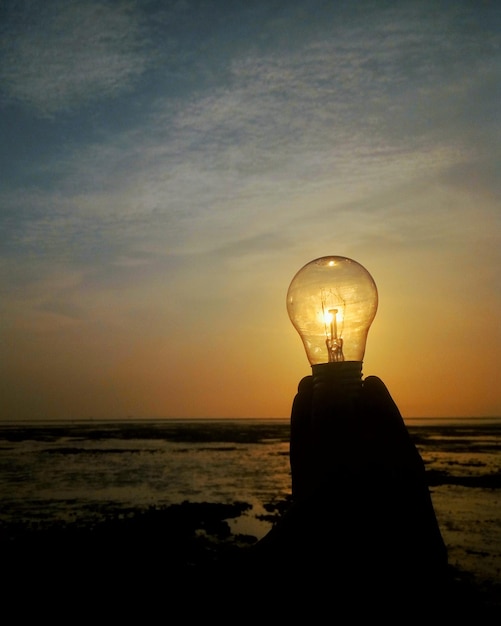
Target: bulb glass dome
[{"x": 332, "y": 302}]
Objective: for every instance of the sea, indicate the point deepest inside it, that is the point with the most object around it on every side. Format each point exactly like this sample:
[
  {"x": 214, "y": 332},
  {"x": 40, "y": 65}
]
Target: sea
[{"x": 85, "y": 472}]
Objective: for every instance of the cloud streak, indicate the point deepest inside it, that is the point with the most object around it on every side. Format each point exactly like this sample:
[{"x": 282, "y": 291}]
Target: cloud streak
[{"x": 65, "y": 54}]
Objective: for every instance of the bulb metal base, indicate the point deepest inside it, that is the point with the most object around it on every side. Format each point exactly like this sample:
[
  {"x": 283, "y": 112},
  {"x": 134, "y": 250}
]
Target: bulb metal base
[{"x": 342, "y": 373}]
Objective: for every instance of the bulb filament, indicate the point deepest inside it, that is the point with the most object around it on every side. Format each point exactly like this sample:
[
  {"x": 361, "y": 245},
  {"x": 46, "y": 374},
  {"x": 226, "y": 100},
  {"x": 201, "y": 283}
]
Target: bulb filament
[{"x": 333, "y": 342}]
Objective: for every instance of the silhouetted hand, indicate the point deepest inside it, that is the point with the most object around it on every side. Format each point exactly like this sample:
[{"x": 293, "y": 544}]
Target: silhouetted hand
[
  {"x": 361, "y": 524},
  {"x": 329, "y": 438}
]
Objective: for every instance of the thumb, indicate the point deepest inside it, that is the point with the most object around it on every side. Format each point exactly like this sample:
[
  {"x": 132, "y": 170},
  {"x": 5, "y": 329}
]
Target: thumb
[{"x": 384, "y": 425}]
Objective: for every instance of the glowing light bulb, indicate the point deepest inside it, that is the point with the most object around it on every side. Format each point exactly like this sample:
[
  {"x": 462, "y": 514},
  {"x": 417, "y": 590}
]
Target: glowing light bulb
[{"x": 332, "y": 302}]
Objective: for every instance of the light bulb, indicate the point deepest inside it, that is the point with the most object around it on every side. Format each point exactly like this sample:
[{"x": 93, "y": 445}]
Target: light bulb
[{"x": 331, "y": 302}]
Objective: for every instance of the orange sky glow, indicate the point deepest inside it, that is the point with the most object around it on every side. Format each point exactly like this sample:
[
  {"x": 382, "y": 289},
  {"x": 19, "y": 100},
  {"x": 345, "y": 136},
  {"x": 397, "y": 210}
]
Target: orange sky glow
[{"x": 164, "y": 186}]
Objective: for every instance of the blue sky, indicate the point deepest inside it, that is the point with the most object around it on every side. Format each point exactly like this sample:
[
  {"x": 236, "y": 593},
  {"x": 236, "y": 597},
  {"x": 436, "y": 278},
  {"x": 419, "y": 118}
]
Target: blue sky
[{"x": 167, "y": 167}]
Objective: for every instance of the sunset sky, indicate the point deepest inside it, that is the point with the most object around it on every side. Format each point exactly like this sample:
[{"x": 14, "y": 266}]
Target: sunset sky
[{"x": 167, "y": 167}]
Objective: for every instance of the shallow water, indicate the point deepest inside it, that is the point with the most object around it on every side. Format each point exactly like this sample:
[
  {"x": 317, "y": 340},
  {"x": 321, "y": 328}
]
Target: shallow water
[
  {"x": 84, "y": 472},
  {"x": 463, "y": 461},
  {"x": 80, "y": 472}
]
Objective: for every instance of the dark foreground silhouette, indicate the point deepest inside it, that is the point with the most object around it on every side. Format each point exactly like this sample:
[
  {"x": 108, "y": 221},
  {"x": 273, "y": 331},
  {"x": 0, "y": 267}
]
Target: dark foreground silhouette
[
  {"x": 184, "y": 561},
  {"x": 359, "y": 539}
]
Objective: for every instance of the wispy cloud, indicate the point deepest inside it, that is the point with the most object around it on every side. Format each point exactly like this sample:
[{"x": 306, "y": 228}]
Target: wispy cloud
[
  {"x": 288, "y": 140},
  {"x": 68, "y": 53}
]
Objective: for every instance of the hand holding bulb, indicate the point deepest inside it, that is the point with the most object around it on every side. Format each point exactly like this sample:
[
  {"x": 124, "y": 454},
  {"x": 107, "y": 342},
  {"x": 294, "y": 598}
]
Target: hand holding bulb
[{"x": 361, "y": 520}]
